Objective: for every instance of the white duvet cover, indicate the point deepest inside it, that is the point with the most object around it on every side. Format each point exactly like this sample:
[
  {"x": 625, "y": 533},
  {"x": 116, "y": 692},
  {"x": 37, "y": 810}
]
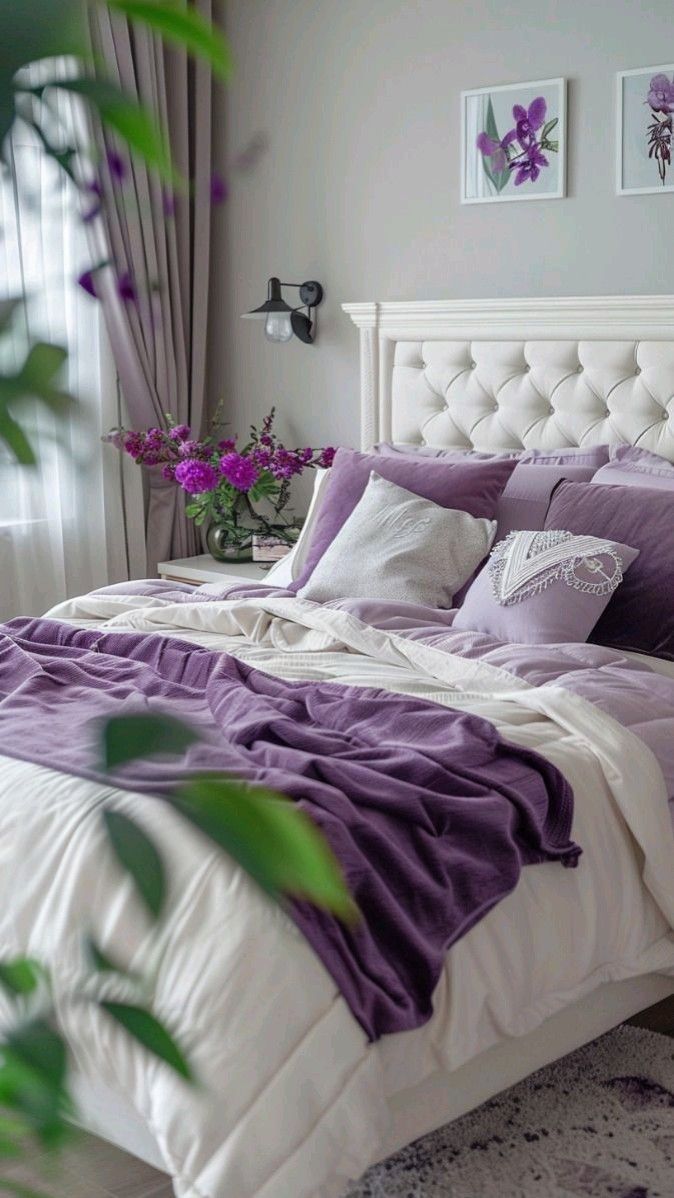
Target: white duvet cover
[{"x": 293, "y": 1101}]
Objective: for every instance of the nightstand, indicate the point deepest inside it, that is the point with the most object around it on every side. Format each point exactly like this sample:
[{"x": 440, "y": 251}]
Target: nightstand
[{"x": 204, "y": 568}]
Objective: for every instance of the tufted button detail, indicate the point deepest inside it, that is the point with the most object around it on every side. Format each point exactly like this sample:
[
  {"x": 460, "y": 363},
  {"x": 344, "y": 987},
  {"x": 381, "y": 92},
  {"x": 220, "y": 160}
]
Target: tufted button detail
[
  {"x": 665, "y": 415},
  {"x": 527, "y": 368},
  {"x": 637, "y": 370},
  {"x": 579, "y": 368},
  {"x": 607, "y": 411},
  {"x": 472, "y": 364}
]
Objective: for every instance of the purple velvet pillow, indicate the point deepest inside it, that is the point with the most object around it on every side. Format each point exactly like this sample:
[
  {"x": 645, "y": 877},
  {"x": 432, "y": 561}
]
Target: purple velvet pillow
[
  {"x": 543, "y": 588},
  {"x": 641, "y": 614},
  {"x": 473, "y": 488},
  {"x": 526, "y": 498},
  {"x": 634, "y": 467}
]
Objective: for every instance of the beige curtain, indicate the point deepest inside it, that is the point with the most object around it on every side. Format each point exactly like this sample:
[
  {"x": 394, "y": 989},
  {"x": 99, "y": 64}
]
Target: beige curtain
[{"x": 159, "y": 244}]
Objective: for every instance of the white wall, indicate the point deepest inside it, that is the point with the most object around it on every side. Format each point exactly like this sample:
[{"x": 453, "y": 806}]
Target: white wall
[{"x": 360, "y": 186}]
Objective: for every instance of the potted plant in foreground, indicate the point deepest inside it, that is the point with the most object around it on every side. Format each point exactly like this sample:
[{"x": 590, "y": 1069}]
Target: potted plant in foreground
[{"x": 240, "y": 493}]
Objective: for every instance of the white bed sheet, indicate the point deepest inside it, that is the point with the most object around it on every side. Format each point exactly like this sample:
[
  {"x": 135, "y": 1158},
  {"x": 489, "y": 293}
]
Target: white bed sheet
[{"x": 295, "y": 1103}]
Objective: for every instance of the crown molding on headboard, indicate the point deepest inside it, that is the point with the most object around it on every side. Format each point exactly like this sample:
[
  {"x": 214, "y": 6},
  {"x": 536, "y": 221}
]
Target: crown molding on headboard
[
  {"x": 599, "y": 316},
  {"x": 581, "y": 318}
]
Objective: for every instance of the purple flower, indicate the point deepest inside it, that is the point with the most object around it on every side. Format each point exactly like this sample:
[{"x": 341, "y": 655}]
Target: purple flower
[
  {"x": 496, "y": 150},
  {"x": 87, "y": 282},
  {"x": 529, "y": 120},
  {"x": 262, "y": 458},
  {"x": 227, "y": 445},
  {"x": 661, "y": 94},
  {"x": 94, "y": 189},
  {"x": 191, "y": 449},
  {"x": 168, "y": 202},
  {"x": 327, "y": 457},
  {"x": 196, "y": 477},
  {"x": 219, "y": 189},
  {"x": 285, "y": 463},
  {"x": 134, "y": 444},
  {"x": 116, "y": 165},
  {"x": 239, "y": 471},
  {"x": 179, "y": 432},
  {"x": 169, "y": 471},
  {"x": 126, "y": 288},
  {"x": 528, "y": 166}
]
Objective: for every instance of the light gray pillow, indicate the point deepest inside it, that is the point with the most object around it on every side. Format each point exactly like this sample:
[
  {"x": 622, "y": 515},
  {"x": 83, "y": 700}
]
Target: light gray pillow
[{"x": 397, "y": 546}]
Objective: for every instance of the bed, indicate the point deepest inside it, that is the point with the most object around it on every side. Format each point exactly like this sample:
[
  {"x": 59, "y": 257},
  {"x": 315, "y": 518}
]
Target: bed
[{"x": 296, "y": 1101}]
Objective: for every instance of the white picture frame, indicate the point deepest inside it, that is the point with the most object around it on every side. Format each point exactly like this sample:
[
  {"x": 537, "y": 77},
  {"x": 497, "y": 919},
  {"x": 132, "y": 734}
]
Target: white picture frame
[
  {"x": 633, "y": 115},
  {"x": 477, "y": 187}
]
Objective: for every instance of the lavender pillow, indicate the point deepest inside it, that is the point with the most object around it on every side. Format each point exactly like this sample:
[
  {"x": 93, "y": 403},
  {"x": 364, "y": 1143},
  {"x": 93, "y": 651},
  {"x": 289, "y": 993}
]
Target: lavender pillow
[
  {"x": 593, "y": 455},
  {"x": 472, "y": 488},
  {"x": 542, "y": 588},
  {"x": 634, "y": 467},
  {"x": 527, "y": 494},
  {"x": 640, "y": 616}
]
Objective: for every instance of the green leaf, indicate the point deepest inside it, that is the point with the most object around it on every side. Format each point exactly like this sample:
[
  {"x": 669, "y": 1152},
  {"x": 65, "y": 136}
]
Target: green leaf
[
  {"x": 31, "y": 30},
  {"x": 498, "y": 178},
  {"x": 102, "y": 962},
  {"x": 275, "y": 842},
  {"x": 40, "y": 1048},
  {"x": 133, "y": 123},
  {"x": 139, "y": 857},
  {"x": 127, "y": 737},
  {"x": 547, "y": 128},
  {"x": 184, "y": 27},
  {"x": 149, "y": 1032},
  {"x": 20, "y": 976},
  {"x": 7, "y": 309},
  {"x": 13, "y": 435}
]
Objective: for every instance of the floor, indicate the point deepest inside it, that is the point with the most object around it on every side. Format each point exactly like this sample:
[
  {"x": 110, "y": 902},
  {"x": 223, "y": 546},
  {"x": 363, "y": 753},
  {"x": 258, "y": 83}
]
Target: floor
[
  {"x": 91, "y": 1168},
  {"x": 94, "y": 1169}
]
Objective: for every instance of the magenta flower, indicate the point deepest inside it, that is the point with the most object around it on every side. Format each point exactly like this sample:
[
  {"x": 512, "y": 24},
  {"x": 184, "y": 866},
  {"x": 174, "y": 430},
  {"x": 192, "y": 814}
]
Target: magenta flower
[
  {"x": 87, "y": 282},
  {"x": 661, "y": 94},
  {"x": 179, "y": 432},
  {"x": 529, "y": 120},
  {"x": 116, "y": 165},
  {"x": 327, "y": 457},
  {"x": 196, "y": 477},
  {"x": 528, "y": 166},
  {"x": 496, "y": 150},
  {"x": 169, "y": 472},
  {"x": 239, "y": 471},
  {"x": 227, "y": 445},
  {"x": 219, "y": 189},
  {"x": 126, "y": 288}
]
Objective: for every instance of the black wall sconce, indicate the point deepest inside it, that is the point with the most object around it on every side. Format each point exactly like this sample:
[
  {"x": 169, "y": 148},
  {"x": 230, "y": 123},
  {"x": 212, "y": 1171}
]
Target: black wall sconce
[{"x": 281, "y": 321}]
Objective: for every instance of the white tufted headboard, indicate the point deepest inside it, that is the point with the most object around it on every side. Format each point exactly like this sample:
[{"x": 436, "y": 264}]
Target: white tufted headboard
[{"x": 502, "y": 374}]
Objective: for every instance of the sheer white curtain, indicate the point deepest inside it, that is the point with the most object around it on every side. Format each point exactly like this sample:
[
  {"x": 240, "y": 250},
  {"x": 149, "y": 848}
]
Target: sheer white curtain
[{"x": 64, "y": 525}]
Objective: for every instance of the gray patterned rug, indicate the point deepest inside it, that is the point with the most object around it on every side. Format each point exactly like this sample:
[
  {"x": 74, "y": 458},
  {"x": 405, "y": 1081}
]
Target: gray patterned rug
[{"x": 598, "y": 1124}]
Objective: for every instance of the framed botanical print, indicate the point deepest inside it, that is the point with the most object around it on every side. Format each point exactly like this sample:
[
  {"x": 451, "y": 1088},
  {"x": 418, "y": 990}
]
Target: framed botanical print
[
  {"x": 645, "y": 111},
  {"x": 513, "y": 142}
]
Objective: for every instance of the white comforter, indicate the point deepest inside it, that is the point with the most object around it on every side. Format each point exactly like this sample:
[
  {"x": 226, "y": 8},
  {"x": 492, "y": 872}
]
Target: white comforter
[{"x": 293, "y": 1101}]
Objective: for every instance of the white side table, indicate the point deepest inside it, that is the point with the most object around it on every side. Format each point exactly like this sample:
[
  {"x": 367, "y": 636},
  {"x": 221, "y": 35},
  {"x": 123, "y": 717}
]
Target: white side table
[{"x": 204, "y": 568}]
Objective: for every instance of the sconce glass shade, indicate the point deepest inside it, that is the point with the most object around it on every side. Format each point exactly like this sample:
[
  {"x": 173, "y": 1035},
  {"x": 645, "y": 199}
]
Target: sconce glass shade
[
  {"x": 283, "y": 322},
  {"x": 278, "y": 327}
]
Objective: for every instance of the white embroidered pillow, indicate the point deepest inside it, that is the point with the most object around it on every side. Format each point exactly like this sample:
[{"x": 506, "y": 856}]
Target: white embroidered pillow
[
  {"x": 397, "y": 546},
  {"x": 546, "y": 587}
]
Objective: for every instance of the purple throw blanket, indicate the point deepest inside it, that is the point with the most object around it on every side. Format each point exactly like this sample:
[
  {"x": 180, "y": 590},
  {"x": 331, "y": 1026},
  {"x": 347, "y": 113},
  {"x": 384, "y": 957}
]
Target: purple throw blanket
[{"x": 431, "y": 814}]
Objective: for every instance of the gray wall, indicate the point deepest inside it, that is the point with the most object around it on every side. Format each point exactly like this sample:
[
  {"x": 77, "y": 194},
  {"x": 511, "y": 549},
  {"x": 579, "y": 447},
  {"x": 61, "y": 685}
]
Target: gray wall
[{"x": 360, "y": 185}]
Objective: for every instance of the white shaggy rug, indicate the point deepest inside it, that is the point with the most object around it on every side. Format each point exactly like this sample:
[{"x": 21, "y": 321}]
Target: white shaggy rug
[{"x": 598, "y": 1124}]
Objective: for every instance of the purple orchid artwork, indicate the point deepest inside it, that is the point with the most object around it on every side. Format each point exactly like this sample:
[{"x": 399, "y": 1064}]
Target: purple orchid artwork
[
  {"x": 514, "y": 142},
  {"x": 660, "y": 99},
  {"x": 646, "y": 130}
]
